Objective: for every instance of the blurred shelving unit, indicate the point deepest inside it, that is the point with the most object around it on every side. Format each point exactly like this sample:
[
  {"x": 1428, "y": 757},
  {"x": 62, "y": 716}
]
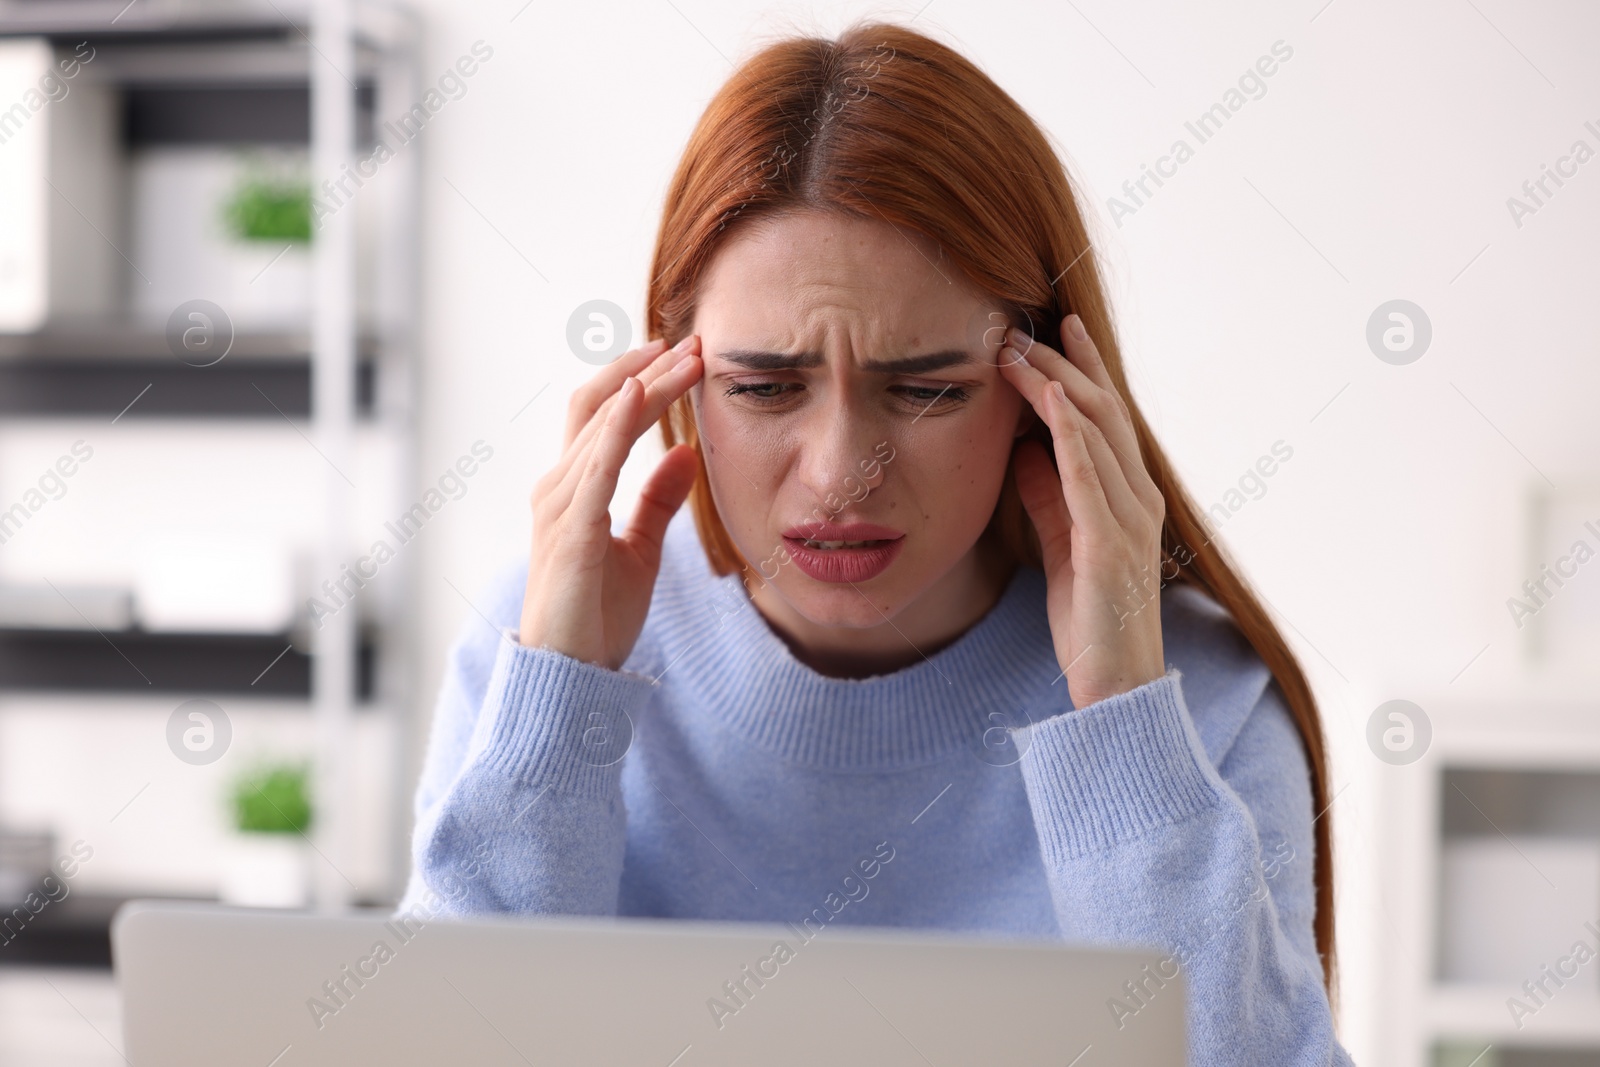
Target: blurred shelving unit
[
  {"x": 88, "y": 372},
  {"x": 82, "y": 337},
  {"x": 1491, "y": 852}
]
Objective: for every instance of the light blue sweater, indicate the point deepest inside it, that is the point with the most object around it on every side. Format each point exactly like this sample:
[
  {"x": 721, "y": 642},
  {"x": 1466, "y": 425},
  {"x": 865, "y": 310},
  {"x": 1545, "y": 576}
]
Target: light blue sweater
[{"x": 717, "y": 777}]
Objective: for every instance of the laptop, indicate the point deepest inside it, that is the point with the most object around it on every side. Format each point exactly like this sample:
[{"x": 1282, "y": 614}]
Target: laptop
[{"x": 207, "y": 985}]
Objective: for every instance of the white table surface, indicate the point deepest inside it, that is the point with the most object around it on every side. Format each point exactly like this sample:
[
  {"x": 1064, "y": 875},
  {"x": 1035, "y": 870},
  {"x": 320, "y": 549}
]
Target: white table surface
[{"x": 59, "y": 1017}]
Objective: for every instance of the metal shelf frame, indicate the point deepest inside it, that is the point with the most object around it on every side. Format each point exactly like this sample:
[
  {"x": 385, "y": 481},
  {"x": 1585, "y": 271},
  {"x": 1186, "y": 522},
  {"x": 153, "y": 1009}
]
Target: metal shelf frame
[{"x": 351, "y": 61}]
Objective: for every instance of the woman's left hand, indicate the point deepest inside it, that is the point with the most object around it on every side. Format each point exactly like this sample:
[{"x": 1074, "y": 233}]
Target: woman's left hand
[{"x": 1099, "y": 519}]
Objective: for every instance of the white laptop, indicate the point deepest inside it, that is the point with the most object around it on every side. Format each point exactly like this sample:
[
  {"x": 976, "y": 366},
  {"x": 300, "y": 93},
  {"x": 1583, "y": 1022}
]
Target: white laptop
[{"x": 211, "y": 986}]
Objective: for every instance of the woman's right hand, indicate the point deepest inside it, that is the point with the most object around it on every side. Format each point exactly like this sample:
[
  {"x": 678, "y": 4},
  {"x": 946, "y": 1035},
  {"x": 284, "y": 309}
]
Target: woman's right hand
[{"x": 588, "y": 592}]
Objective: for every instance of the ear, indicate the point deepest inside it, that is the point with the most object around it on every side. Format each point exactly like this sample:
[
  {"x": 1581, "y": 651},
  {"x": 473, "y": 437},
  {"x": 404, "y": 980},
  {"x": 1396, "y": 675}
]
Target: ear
[{"x": 1026, "y": 418}]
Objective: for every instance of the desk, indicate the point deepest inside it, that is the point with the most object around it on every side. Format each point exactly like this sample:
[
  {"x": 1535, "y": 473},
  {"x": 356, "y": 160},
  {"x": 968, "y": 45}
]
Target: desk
[{"x": 59, "y": 1017}]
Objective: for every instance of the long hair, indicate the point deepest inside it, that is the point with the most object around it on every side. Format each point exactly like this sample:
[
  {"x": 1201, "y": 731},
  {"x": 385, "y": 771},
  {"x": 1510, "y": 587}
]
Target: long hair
[{"x": 885, "y": 123}]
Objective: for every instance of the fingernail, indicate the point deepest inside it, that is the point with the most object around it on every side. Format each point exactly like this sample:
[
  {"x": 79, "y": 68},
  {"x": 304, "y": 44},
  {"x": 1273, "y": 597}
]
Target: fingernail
[
  {"x": 1019, "y": 340},
  {"x": 1061, "y": 394},
  {"x": 1075, "y": 325},
  {"x": 683, "y": 345}
]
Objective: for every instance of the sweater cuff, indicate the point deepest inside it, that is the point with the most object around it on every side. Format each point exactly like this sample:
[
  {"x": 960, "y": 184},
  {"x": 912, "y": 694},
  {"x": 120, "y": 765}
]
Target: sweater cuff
[
  {"x": 1115, "y": 770},
  {"x": 559, "y": 721}
]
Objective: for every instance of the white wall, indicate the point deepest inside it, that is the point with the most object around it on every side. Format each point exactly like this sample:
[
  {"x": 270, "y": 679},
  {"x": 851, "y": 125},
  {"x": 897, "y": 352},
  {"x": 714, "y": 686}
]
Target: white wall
[{"x": 1376, "y": 166}]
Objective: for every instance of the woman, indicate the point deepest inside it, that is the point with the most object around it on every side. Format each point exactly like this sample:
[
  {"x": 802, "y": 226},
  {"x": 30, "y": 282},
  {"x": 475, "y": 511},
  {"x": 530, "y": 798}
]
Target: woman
[{"x": 1034, "y": 691}]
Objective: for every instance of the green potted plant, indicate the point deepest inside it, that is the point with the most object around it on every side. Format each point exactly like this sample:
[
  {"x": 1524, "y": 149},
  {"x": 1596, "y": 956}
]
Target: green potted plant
[
  {"x": 268, "y": 857},
  {"x": 264, "y": 207},
  {"x": 264, "y": 224}
]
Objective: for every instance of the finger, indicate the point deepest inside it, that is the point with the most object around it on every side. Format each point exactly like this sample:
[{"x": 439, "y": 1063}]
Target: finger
[
  {"x": 665, "y": 385},
  {"x": 1039, "y": 486},
  {"x": 587, "y": 398},
  {"x": 576, "y": 464},
  {"x": 591, "y": 501},
  {"x": 555, "y": 490},
  {"x": 1042, "y": 367},
  {"x": 1079, "y": 472},
  {"x": 589, "y": 401},
  {"x": 1104, "y": 406},
  {"x": 662, "y": 496},
  {"x": 1126, "y": 508},
  {"x": 1084, "y": 354},
  {"x": 1081, "y": 349},
  {"x": 648, "y": 376},
  {"x": 662, "y": 387},
  {"x": 658, "y": 395}
]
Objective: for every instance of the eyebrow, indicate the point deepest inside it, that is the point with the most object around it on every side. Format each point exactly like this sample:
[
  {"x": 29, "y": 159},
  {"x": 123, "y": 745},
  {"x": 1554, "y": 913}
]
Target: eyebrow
[{"x": 768, "y": 361}]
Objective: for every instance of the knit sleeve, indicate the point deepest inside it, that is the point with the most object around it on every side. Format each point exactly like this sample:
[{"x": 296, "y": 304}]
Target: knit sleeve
[
  {"x": 1146, "y": 842},
  {"x": 520, "y": 805}
]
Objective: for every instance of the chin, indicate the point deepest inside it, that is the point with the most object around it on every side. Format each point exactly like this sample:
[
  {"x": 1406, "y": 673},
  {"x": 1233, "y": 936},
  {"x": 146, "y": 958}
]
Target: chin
[{"x": 857, "y": 607}]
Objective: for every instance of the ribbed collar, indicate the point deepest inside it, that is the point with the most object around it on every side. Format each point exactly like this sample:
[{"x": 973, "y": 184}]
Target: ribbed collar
[{"x": 737, "y": 671}]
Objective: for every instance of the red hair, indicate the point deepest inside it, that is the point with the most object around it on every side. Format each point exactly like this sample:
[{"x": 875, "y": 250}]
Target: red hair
[{"x": 887, "y": 124}]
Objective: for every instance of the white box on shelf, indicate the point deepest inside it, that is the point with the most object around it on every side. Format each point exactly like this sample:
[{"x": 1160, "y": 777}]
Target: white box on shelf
[
  {"x": 65, "y": 607},
  {"x": 1512, "y": 905},
  {"x": 59, "y": 185},
  {"x": 193, "y": 582},
  {"x": 177, "y": 196}
]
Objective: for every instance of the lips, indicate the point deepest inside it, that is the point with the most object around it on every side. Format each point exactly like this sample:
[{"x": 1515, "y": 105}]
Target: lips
[
  {"x": 843, "y": 552},
  {"x": 832, "y": 531}
]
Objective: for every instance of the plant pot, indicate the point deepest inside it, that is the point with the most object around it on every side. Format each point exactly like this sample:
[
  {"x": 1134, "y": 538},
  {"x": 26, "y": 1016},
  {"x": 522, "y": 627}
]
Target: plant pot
[{"x": 267, "y": 870}]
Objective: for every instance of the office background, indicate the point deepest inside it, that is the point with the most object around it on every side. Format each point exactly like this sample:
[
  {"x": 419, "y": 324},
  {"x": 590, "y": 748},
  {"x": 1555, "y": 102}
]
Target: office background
[{"x": 1419, "y": 161}]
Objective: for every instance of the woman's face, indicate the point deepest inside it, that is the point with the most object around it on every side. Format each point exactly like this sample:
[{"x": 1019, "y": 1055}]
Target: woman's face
[{"x": 849, "y": 381}]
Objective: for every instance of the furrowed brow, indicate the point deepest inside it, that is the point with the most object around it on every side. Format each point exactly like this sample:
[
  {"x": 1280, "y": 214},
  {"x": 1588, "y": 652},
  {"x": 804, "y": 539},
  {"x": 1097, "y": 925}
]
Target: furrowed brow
[
  {"x": 769, "y": 361},
  {"x": 756, "y": 360},
  {"x": 916, "y": 364}
]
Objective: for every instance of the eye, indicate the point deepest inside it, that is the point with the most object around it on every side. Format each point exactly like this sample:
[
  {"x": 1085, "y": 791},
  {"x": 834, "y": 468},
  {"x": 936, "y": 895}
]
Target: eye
[
  {"x": 761, "y": 393},
  {"x": 931, "y": 397}
]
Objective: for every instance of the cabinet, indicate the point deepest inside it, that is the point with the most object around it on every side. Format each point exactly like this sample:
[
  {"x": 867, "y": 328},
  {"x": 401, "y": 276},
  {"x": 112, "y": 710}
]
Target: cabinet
[
  {"x": 246, "y": 391},
  {"x": 1491, "y": 858}
]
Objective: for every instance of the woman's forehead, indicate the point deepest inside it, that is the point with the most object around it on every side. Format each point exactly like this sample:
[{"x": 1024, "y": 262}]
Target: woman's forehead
[
  {"x": 829, "y": 283},
  {"x": 849, "y": 250}
]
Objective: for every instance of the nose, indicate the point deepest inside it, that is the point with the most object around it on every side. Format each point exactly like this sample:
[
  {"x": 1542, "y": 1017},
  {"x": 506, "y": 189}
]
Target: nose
[{"x": 842, "y": 458}]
